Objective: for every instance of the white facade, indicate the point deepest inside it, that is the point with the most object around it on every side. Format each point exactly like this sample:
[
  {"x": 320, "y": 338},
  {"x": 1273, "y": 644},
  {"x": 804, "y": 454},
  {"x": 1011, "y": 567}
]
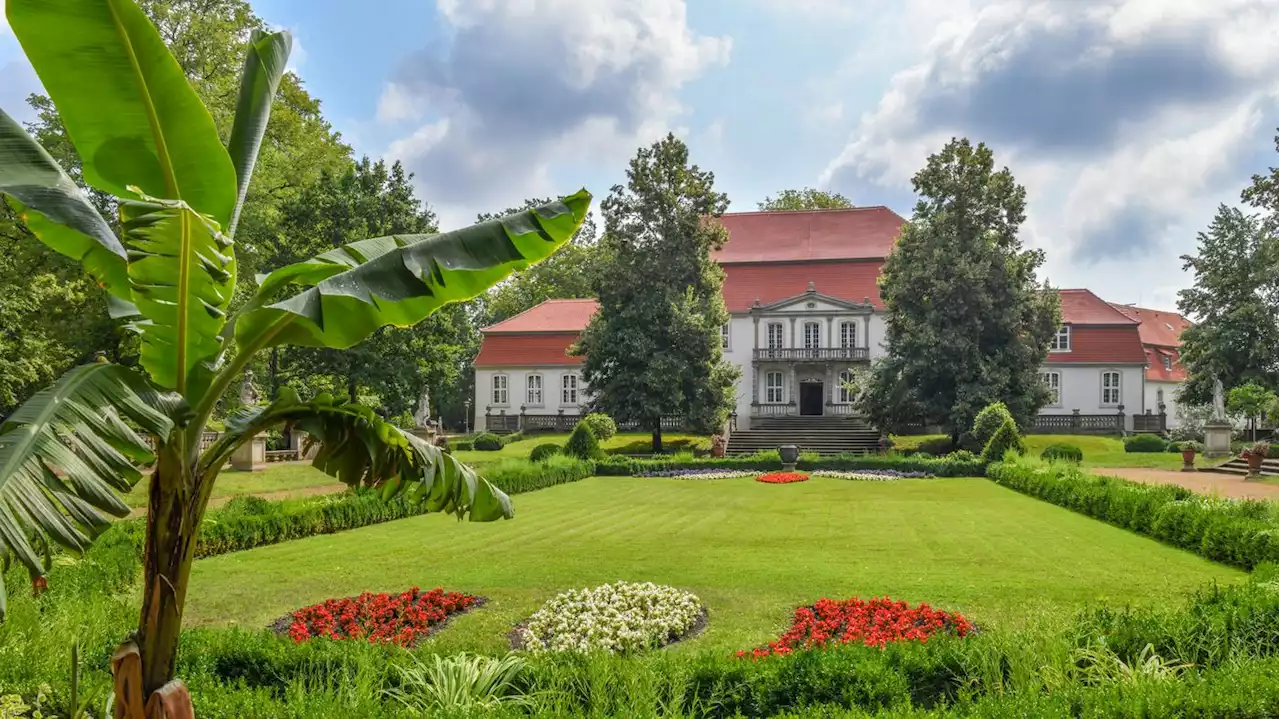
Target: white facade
[
  {"x": 1095, "y": 388},
  {"x": 545, "y": 390},
  {"x": 1158, "y": 391}
]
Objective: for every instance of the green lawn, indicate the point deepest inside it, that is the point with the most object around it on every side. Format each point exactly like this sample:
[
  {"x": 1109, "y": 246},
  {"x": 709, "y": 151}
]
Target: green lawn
[
  {"x": 751, "y": 551},
  {"x": 623, "y": 442},
  {"x": 1098, "y": 451},
  {"x": 280, "y": 477}
]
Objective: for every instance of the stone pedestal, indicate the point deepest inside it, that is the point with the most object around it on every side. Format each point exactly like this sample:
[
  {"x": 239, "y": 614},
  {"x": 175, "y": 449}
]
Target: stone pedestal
[
  {"x": 252, "y": 455},
  {"x": 1217, "y": 438}
]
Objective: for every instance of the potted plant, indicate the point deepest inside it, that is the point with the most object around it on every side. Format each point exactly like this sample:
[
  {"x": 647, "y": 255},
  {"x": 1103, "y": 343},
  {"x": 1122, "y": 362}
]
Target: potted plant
[
  {"x": 1190, "y": 449},
  {"x": 718, "y": 445},
  {"x": 1254, "y": 455},
  {"x": 789, "y": 454}
]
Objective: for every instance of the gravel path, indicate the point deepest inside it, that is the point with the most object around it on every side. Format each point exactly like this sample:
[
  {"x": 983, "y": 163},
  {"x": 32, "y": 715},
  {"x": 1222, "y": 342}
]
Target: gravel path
[{"x": 1223, "y": 485}]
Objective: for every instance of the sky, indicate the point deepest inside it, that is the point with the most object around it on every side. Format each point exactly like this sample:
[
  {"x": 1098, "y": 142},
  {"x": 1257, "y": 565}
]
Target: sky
[{"x": 1128, "y": 121}]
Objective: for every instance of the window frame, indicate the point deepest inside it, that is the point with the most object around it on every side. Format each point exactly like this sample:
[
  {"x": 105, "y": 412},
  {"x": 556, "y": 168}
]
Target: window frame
[
  {"x": 1167, "y": 362},
  {"x": 1064, "y": 334},
  {"x": 724, "y": 337},
  {"x": 769, "y": 388},
  {"x": 768, "y": 336},
  {"x": 849, "y": 339},
  {"x": 568, "y": 393},
  {"x": 843, "y": 394},
  {"x": 1055, "y": 387},
  {"x": 529, "y": 389},
  {"x": 1118, "y": 388},
  {"x": 505, "y": 389},
  {"x": 817, "y": 334}
]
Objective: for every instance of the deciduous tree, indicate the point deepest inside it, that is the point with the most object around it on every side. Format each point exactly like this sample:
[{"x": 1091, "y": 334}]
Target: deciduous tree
[
  {"x": 806, "y": 199},
  {"x": 968, "y": 324}
]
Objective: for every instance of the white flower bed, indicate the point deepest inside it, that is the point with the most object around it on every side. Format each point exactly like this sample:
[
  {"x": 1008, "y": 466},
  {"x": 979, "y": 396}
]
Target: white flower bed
[
  {"x": 722, "y": 474},
  {"x": 871, "y": 475},
  {"x": 622, "y": 617}
]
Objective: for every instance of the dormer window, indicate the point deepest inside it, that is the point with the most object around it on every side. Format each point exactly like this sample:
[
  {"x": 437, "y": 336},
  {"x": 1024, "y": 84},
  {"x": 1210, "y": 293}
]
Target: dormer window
[
  {"x": 1062, "y": 340},
  {"x": 1168, "y": 363}
]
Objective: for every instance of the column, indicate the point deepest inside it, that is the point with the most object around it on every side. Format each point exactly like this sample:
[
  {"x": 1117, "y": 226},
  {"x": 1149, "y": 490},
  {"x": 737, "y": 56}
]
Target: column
[
  {"x": 755, "y": 382},
  {"x": 831, "y": 341},
  {"x": 866, "y": 333},
  {"x": 793, "y": 390},
  {"x": 793, "y": 332},
  {"x": 755, "y": 334},
  {"x": 830, "y": 387}
]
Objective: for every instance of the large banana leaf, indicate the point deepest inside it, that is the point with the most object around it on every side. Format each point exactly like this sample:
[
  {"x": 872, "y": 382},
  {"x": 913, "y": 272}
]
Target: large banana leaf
[
  {"x": 399, "y": 280},
  {"x": 64, "y": 451},
  {"x": 359, "y": 448},
  {"x": 125, "y": 102},
  {"x": 55, "y": 209},
  {"x": 264, "y": 64},
  {"x": 183, "y": 273}
]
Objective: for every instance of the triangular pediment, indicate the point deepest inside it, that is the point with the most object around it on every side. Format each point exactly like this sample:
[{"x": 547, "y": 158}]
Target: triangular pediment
[{"x": 813, "y": 301}]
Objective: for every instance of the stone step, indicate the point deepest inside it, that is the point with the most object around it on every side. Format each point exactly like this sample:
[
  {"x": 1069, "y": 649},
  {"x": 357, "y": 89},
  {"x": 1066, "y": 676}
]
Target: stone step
[{"x": 1240, "y": 467}]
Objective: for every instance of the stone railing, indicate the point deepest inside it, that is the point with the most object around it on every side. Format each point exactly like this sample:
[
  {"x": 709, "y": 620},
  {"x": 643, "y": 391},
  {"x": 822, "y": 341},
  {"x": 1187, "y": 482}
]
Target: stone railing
[
  {"x": 816, "y": 354},
  {"x": 1076, "y": 423}
]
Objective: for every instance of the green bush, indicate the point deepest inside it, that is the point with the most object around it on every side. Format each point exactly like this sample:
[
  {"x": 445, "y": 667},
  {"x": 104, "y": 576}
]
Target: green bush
[
  {"x": 461, "y": 445},
  {"x": 582, "y": 443},
  {"x": 956, "y": 464},
  {"x": 601, "y": 425},
  {"x": 989, "y": 421},
  {"x": 1005, "y": 438},
  {"x": 934, "y": 446},
  {"x": 515, "y": 476},
  {"x": 1145, "y": 443},
  {"x": 487, "y": 442},
  {"x": 510, "y": 437},
  {"x": 1063, "y": 453},
  {"x": 544, "y": 451},
  {"x": 1242, "y": 533}
]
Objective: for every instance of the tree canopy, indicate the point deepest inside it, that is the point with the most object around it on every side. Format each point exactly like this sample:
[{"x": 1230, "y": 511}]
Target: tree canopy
[
  {"x": 806, "y": 199},
  {"x": 653, "y": 350},
  {"x": 968, "y": 323}
]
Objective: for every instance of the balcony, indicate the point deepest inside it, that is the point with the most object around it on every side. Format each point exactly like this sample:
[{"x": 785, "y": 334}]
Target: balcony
[{"x": 817, "y": 354}]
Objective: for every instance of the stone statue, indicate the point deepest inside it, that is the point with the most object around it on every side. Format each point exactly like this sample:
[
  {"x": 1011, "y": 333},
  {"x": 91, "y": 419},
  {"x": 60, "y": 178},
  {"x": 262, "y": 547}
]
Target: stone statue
[
  {"x": 1219, "y": 407},
  {"x": 248, "y": 394},
  {"x": 422, "y": 415}
]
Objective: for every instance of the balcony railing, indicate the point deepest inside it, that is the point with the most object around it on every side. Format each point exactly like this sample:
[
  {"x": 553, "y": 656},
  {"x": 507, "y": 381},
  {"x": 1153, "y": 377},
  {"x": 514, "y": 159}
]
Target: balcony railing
[
  {"x": 790, "y": 409},
  {"x": 817, "y": 354}
]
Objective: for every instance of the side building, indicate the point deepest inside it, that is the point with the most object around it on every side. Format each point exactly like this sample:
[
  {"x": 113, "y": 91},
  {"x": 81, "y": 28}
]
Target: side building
[{"x": 1161, "y": 333}]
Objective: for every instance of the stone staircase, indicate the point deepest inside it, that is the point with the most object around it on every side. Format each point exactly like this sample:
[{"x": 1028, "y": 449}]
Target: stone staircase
[
  {"x": 824, "y": 435},
  {"x": 1240, "y": 467}
]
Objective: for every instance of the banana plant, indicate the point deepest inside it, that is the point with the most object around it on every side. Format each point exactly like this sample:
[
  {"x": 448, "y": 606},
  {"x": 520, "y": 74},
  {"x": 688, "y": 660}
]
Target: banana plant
[{"x": 146, "y": 138}]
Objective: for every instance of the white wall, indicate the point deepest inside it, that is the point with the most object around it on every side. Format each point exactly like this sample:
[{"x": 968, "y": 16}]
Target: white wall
[
  {"x": 517, "y": 377},
  {"x": 1152, "y": 400},
  {"x": 1080, "y": 388}
]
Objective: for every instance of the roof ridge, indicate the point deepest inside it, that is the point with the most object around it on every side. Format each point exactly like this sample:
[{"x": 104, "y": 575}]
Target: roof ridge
[{"x": 813, "y": 210}]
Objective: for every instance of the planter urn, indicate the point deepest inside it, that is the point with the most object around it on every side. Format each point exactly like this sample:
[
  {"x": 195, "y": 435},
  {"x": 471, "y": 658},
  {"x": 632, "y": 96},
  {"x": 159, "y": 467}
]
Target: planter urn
[
  {"x": 1188, "y": 460},
  {"x": 789, "y": 454},
  {"x": 1255, "y": 463}
]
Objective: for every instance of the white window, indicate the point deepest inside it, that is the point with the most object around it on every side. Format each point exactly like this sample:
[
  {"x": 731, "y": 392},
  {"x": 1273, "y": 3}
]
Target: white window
[
  {"x": 1110, "y": 388},
  {"x": 775, "y": 335},
  {"x": 848, "y": 335},
  {"x": 533, "y": 390},
  {"x": 812, "y": 335},
  {"x": 846, "y": 394},
  {"x": 569, "y": 389},
  {"x": 1168, "y": 363},
  {"x": 1062, "y": 340},
  {"x": 724, "y": 336},
  {"x": 500, "y": 389},
  {"x": 773, "y": 387},
  {"x": 1053, "y": 380}
]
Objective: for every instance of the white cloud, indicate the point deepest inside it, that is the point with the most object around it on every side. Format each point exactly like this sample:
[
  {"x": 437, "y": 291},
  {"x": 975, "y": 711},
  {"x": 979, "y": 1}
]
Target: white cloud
[{"x": 528, "y": 84}]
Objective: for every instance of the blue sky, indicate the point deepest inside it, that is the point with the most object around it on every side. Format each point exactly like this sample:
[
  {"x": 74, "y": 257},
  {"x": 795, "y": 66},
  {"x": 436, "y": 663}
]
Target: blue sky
[{"x": 1127, "y": 120}]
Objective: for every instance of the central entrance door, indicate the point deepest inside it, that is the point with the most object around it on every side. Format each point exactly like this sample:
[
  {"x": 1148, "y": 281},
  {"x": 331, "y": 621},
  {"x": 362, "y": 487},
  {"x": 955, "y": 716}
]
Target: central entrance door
[{"x": 811, "y": 398}]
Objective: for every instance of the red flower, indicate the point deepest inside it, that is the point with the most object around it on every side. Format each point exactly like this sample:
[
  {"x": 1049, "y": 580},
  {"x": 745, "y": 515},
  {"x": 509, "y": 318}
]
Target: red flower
[
  {"x": 401, "y": 619},
  {"x": 782, "y": 477},
  {"x": 874, "y": 623}
]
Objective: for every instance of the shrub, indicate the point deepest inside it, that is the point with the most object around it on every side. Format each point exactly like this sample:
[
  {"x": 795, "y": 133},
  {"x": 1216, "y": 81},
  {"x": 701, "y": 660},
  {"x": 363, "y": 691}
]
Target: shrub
[
  {"x": 601, "y": 425},
  {"x": 487, "y": 442},
  {"x": 1062, "y": 453},
  {"x": 1005, "y": 438},
  {"x": 989, "y": 421},
  {"x": 462, "y": 445},
  {"x": 623, "y": 617},
  {"x": 1145, "y": 443},
  {"x": 614, "y": 466},
  {"x": 934, "y": 446},
  {"x": 543, "y": 452},
  {"x": 582, "y": 443},
  {"x": 515, "y": 476}
]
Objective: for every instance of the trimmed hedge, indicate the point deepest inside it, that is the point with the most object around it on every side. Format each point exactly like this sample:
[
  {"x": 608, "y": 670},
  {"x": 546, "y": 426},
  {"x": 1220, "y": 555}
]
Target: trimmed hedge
[
  {"x": 1145, "y": 443},
  {"x": 601, "y": 425},
  {"x": 544, "y": 451},
  {"x": 582, "y": 443},
  {"x": 989, "y": 421},
  {"x": 1005, "y": 438},
  {"x": 487, "y": 442},
  {"x": 1242, "y": 533},
  {"x": 956, "y": 464},
  {"x": 1063, "y": 453}
]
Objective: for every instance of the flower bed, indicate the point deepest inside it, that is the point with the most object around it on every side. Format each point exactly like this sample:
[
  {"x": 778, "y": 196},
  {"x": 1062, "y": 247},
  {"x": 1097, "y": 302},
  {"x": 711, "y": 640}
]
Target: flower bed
[
  {"x": 403, "y": 619},
  {"x": 782, "y": 477},
  {"x": 874, "y": 622},
  {"x": 702, "y": 473},
  {"x": 623, "y": 617},
  {"x": 871, "y": 475}
]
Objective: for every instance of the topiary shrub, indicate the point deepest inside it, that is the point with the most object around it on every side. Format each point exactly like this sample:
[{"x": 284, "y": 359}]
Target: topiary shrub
[
  {"x": 543, "y": 452},
  {"x": 1062, "y": 453},
  {"x": 582, "y": 443},
  {"x": 487, "y": 442},
  {"x": 601, "y": 425},
  {"x": 1004, "y": 439},
  {"x": 988, "y": 422},
  {"x": 934, "y": 447},
  {"x": 1145, "y": 443}
]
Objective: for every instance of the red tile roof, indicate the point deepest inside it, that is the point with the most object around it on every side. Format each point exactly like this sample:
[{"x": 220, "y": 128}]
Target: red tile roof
[
  {"x": 1082, "y": 307},
  {"x": 519, "y": 350},
  {"x": 550, "y": 316},
  {"x": 852, "y": 281},
  {"x": 1155, "y": 365},
  {"x": 1158, "y": 327},
  {"x": 1094, "y": 344},
  {"x": 858, "y": 233}
]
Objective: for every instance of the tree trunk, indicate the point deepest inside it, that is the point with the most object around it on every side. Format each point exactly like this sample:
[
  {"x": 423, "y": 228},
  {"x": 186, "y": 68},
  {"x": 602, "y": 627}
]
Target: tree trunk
[
  {"x": 274, "y": 371},
  {"x": 351, "y": 387},
  {"x": 657, "y": 437},
  {"x": 955, "y": 439},
  {"x": 174, "y": 514}
]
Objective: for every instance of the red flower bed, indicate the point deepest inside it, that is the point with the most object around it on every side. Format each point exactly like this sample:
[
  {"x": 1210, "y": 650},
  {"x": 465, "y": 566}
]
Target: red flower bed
[
  {"x": 398, "y": 618},
  {"x": 782, "y": 477},
  {"x": 875, "y": 623}
]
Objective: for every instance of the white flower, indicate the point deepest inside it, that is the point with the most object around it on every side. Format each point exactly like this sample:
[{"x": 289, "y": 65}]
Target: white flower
[{"x": 620, "y": 617}]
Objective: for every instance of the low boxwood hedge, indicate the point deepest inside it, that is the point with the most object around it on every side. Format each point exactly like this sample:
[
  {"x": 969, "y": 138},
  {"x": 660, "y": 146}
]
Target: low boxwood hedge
[
  {"x": 1145, "y": 443},
  {"x": 1063, "y": 453},
  {"x": 956, "y": 464}
]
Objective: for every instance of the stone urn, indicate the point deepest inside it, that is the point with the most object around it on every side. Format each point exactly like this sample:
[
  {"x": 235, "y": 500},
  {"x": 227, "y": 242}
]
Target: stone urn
[
  {"x": 789, "y": 454},
  {"x": 1189, "y": 452},
  {"x": 718, "y": 446},
  {"x": 1254, "y": 456}
]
